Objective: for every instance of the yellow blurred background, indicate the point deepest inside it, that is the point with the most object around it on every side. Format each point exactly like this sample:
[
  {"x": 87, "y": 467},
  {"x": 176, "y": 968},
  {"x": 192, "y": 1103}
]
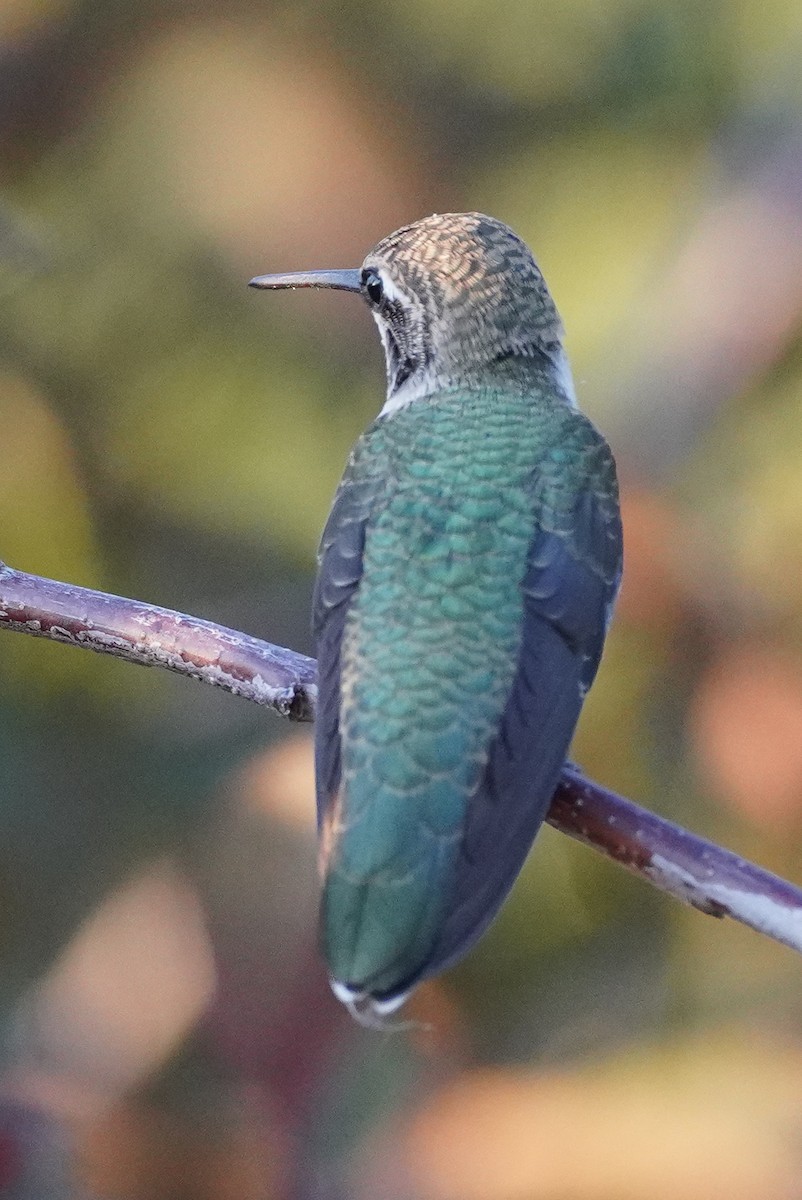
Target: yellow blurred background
[{"x": 166, "y": 1031}]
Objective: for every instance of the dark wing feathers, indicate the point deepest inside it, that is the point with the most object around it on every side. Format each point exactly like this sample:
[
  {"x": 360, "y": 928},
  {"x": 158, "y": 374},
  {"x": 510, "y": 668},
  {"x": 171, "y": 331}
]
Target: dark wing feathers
[
  {"x": 339, "y": 572},
  {"x": 569, "y": 589}
]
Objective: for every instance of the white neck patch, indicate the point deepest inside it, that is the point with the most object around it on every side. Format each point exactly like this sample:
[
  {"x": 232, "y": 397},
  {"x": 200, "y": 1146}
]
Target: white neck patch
[
  {"x": 416, "y": 388},
  {"x": 565, "y": 378}
]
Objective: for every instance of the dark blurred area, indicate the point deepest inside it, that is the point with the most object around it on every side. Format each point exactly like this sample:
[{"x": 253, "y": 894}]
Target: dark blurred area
[{"x": 166, "y": 1030}]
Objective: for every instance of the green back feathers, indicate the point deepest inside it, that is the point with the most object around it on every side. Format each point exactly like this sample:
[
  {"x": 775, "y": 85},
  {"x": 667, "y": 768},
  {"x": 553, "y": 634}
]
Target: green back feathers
[{"x": 429, "y": 650}]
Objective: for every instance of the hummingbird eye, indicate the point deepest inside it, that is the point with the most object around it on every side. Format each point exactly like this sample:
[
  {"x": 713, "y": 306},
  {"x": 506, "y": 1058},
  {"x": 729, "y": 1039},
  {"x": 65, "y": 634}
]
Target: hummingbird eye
[{"x": 374, "y": 288}]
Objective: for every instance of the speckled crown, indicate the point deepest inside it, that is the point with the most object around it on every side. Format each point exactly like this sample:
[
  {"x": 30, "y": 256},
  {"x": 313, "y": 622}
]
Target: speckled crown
[{"x": 469, "y": 261}]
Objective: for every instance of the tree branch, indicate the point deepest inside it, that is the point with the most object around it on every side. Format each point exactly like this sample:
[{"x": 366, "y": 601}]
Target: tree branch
[
  {"x": 688, "y": 867},
  {"x": 158, "y": 637},
  {"x": 677, "y": 862}
]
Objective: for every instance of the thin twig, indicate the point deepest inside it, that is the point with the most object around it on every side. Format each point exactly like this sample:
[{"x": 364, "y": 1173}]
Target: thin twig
[
  {"x": 688, "y": 867},
  {"x": 678, "y": 862},
  {"x": 158, "y": 637}
]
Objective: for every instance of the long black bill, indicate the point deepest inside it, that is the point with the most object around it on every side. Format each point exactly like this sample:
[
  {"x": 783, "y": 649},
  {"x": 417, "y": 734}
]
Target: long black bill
[{"x": 343, "y": 281}]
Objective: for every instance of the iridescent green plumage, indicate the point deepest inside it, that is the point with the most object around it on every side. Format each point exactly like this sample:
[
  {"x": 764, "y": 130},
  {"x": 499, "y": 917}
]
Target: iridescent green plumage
[
  {"x": 430, "y": 648},
  {"x": 466, "y": 580}
]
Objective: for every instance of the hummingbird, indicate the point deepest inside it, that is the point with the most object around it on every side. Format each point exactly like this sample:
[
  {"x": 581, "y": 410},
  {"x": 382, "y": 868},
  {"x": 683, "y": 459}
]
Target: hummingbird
[{"x": 466, "y": 579}]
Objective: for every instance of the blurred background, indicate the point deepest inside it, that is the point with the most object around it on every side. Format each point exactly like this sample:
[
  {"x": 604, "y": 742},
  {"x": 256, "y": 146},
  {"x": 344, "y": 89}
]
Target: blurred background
[{"x": 166, "y": 1031}]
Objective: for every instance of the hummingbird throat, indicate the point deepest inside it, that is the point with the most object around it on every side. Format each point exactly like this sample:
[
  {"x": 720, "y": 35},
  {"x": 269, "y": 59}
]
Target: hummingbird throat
[{"x": 406, "y": 379}]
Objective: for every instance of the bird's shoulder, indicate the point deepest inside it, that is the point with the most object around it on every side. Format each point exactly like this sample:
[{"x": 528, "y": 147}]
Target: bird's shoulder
[
  {"x": 576, "y": 497},
  {"x": 558, "y": 468}
]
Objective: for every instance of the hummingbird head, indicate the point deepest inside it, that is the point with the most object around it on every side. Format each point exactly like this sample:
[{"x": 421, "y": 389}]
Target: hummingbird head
[{"x": 455, "y": 296}]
